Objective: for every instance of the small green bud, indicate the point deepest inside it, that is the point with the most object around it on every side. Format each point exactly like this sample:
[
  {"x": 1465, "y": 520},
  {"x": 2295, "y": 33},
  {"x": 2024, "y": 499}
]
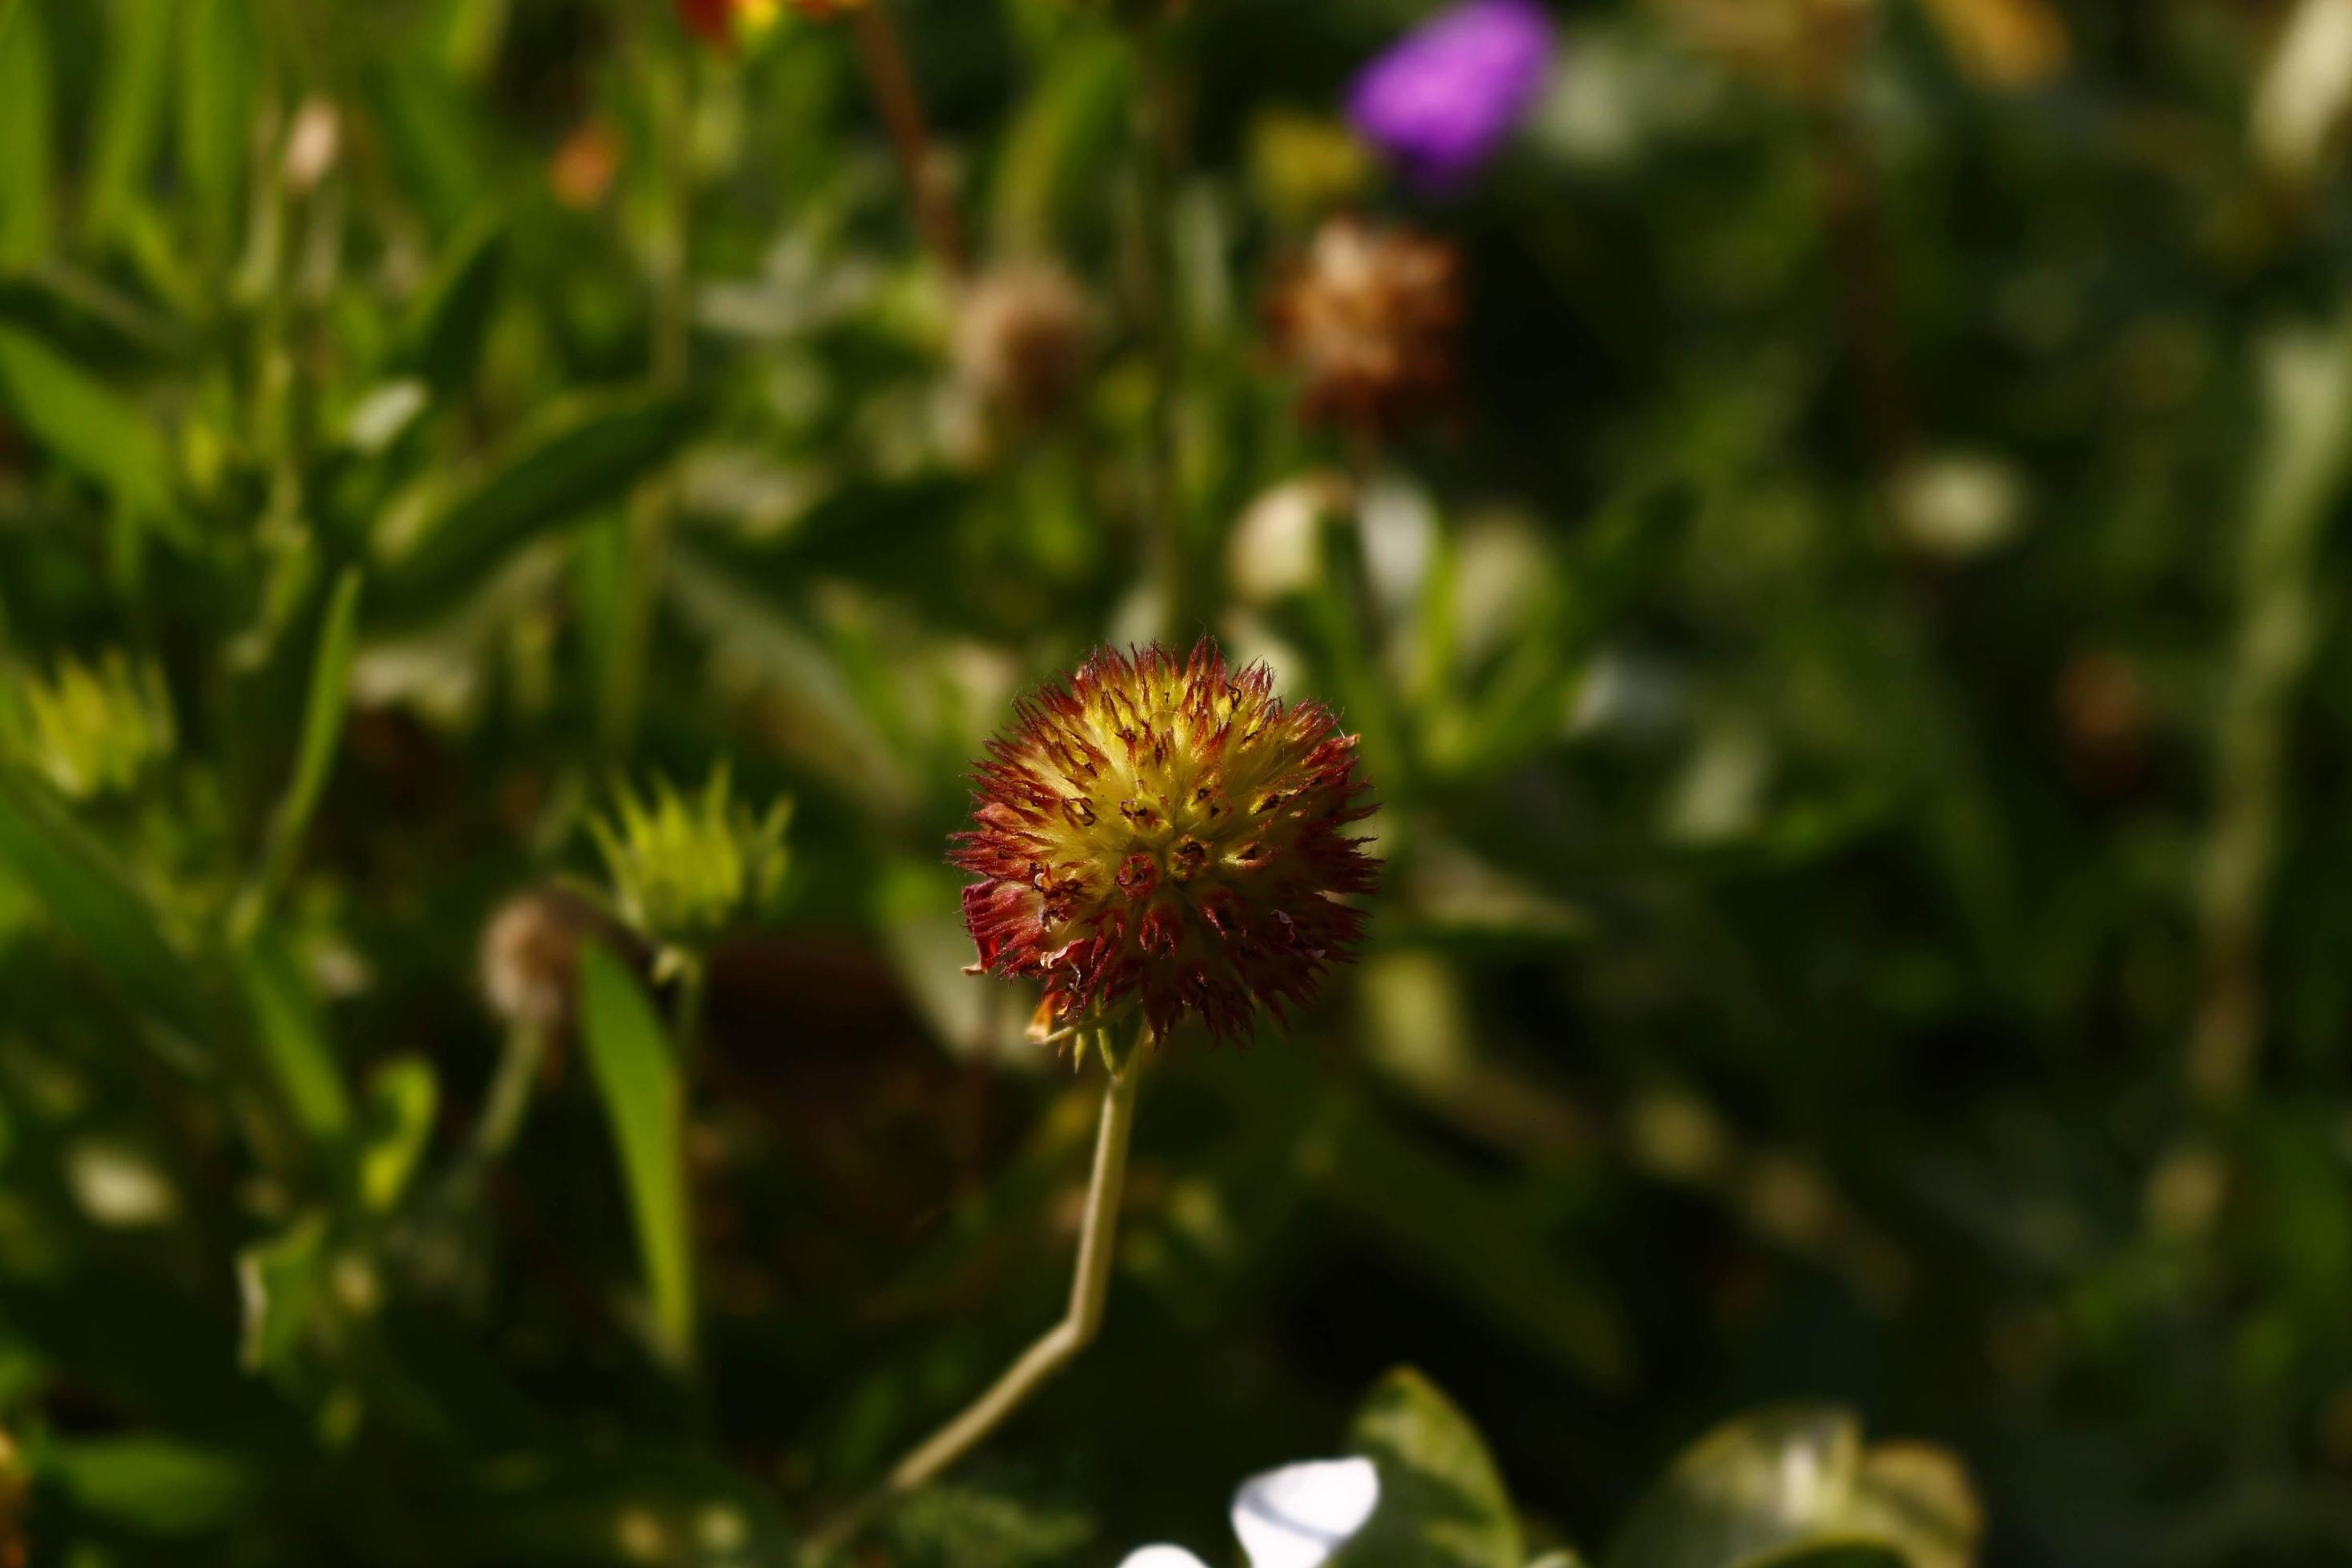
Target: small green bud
[{"x": 685, "y": 871}]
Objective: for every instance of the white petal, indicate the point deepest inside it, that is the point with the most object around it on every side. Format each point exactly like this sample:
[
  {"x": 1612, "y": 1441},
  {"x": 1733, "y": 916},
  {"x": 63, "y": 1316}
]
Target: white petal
[
  {"x": 1162, "y": 1557},
  {"x": 1296, "y": 1517}
]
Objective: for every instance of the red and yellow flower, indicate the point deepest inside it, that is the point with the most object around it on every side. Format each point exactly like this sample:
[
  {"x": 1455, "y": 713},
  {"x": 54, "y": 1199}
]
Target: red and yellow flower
[{"x": 1161, "y": 831}]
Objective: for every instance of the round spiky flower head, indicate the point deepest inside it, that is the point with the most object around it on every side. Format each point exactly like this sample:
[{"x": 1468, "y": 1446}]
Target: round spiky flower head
[
  {"x": 1367, "y": 319},
  {"x": 1162, "y": 832}
]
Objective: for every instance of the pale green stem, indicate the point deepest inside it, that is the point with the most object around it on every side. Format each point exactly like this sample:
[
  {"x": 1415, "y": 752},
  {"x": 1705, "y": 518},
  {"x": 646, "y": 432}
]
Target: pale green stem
[
  {"x": 1061, "y": 1344},
  {"x": 503, "y": 1109},
  {"x": 510, "y": 1098}
]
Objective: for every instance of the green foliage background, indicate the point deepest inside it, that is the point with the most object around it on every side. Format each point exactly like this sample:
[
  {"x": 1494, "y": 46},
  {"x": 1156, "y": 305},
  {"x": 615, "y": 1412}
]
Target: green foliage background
[{"x": 1855, "y": 687}]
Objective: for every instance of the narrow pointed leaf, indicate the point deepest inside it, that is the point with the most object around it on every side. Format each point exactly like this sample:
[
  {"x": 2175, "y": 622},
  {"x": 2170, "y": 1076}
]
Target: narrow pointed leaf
[
  {"x": 588, "y": 460},
  {"x": 95, "y": 905},
  {"x": 314, "y": 756},
  {"x": 637, "y": 1078}
]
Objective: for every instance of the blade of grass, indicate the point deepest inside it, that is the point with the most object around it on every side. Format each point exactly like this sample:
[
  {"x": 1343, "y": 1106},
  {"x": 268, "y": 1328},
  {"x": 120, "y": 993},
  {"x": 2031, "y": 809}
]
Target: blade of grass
[
  {"x": 587, "y": 459},
  {"x": 293, "y": 1040},
  {"x": 314, "y": 757}
]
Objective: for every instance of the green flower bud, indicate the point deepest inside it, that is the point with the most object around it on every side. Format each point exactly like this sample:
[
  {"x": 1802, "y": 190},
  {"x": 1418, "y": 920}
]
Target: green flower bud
[{"x": 687, "y": 871}]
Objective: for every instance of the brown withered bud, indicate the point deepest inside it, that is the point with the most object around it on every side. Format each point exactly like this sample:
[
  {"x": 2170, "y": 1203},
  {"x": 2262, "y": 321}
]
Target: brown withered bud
[
  {"x": 530, "y": 957},
  {"x": 1024, "y": 336},
  {"x": 1366, "y": 318}
]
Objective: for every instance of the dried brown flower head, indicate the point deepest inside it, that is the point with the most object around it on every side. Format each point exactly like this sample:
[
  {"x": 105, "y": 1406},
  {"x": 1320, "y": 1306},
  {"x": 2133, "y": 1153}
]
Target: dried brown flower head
[
  {"x": 1024, "y": 333},
  {"x": 530, "y": 957},
  {"x": 1367, "y": 319},
  {"x": 1162, "y": 831}
]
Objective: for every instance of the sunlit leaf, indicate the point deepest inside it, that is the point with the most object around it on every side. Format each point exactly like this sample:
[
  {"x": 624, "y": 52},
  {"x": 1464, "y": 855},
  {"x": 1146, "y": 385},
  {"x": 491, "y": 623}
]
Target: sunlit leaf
[
  {"x": 1442, "y": 1501},
  {"x": 1918, "y": 1496},
  {"x": 1758, "y": 1485}
]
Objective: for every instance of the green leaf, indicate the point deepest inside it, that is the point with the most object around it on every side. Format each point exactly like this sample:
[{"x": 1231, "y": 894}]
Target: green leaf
[
  {"x": 1917, "y": 1496},
  {"x": 314, "y": 755},
  {"x": 433, "y": 137},
  {"x": 293, "y": 1039},
  {"x": 638, "y": 1077},
  {"x": 589, "y": 459},
  {"x": 401, "y": 1095},
  {"x": 95, "y": 905},
  {"x": 83, "y": 424},
  {"x": 442, "y": 340},
  {"x": 88, "y": 319},
  {"x": 1057, "y": 153},
  {"x": 1474, "y": 1237},
  {"x": 27, "y": 137},
  {"x": 831, "y": 732},
  {"x": 282, "y": 1282},
  {"x": 1830, "y": 1554},
  {"x": 956, "y": 1525},
  {"x": 1755, "y": 1486},
  {"x": 130, "y": 107},
  {"x": 217, "y": 68},
  {"x": 150, "y": 1485},
  {"x": 1442, "y": 1501}
]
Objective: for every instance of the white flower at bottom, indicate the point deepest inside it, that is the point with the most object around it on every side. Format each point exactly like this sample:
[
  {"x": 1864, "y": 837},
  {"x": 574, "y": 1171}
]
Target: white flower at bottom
[{"x": 1296, "y": 1516}]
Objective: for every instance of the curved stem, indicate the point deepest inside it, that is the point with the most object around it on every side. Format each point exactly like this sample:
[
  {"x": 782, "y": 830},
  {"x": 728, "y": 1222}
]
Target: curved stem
[
  {"x": 1060, "y": 1345},
  {"x": 509, "y": 1096}
]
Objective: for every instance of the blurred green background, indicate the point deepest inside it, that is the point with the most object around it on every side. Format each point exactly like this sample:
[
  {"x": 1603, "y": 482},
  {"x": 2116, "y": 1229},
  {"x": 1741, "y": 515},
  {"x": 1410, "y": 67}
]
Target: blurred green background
[{"x": 1856, "y": 678}]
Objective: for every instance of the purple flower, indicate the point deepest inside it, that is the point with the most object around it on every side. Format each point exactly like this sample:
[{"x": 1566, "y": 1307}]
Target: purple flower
[{"x": 1441, "y": 101}]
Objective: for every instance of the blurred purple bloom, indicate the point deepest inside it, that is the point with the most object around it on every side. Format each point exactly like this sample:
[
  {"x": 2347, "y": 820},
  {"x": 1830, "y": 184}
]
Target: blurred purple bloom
[{"x": 1445, "y": 97}]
